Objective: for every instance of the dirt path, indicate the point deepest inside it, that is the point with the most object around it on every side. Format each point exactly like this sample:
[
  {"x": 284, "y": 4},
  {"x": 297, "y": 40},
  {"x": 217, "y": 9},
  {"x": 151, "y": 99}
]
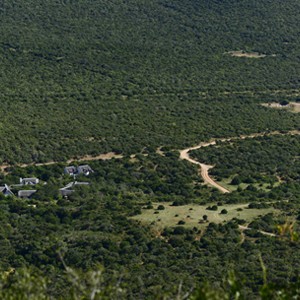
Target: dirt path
[
  {"x": 184, "y": 154},
  {"x": 261, "y": 231},
  {"x": 209, "y": 180},
  {"x": 104, "y": 156}
]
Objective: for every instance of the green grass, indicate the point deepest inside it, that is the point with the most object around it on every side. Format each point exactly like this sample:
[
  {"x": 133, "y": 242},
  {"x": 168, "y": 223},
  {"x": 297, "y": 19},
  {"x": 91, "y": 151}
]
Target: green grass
[
  {"x": 260, "y": 186},
  {"x": 191, "y": 214}
]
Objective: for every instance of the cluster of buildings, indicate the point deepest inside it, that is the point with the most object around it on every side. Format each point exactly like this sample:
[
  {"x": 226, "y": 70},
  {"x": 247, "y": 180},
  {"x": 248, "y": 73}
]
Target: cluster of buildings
[
  {"x": 65, "y": 191},
  {"x": 6, "y": 190},
  {"x": 83, "y": 169}
]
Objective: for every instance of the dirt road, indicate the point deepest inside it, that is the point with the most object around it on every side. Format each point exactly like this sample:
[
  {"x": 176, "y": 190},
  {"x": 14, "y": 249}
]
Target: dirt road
[
  {"x": 184, "y": 154},
  {"x": 209, "y": 180},
  {"x": 104, "y": 156}
]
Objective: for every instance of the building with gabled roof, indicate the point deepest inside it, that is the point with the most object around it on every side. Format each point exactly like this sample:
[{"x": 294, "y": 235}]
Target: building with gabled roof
[
  {"x": 5, "y": 190},
  {"x": 29, "y": 181}
]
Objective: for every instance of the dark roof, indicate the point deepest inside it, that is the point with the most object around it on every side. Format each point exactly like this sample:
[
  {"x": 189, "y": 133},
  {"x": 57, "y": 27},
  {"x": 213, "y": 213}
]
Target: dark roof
[
  {"x": 85, "y": 169},
  {"x": 26, "y": 193}
]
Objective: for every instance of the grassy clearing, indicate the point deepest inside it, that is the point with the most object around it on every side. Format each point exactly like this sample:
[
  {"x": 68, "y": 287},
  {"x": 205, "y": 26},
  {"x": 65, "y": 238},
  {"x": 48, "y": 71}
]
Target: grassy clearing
[{"x": 191, "y": 214}]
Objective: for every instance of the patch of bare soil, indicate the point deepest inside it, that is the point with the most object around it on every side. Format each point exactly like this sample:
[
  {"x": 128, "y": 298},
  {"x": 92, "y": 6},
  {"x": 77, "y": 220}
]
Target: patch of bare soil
[
  {"x": 159, "y": 151},
  {"x": 242, "y": 53},
  {"x": 295, "y": 106},
  {"x": 292, "y": 106}
]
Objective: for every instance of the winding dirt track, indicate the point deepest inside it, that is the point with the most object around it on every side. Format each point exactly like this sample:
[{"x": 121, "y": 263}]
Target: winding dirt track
[{"x": 184, "y": 154}]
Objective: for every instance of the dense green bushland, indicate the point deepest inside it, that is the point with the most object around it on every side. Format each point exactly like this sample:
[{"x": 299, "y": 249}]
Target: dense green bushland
[
  {"x": 87, "y": 77},
  {"x": 93, "y": 227}
]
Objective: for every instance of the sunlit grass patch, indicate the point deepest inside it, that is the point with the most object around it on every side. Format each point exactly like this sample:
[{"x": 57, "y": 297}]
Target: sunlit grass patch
[{"x": 197, "y": 215}]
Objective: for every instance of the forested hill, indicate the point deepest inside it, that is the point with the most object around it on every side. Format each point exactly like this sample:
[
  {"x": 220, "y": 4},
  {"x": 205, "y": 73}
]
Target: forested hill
[{"x": 78, "y": 71}]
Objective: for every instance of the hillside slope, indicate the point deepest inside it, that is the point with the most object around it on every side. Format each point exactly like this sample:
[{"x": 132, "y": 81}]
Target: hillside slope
[{"x": 88, "y": 77}]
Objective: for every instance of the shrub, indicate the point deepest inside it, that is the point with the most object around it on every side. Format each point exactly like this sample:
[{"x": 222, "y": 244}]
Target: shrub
[
  {"x": 160, "y": 207},
  {"x": 235, "y": 181},
  {"x": 214, "y": 207},
  {"x": 284, "y": 102},
  {"x": 179, "y": 230}
]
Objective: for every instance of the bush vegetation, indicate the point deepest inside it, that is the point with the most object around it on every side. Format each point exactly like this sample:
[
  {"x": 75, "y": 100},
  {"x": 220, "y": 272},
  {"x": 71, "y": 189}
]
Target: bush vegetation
[{"x": 87, "y": 77}]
